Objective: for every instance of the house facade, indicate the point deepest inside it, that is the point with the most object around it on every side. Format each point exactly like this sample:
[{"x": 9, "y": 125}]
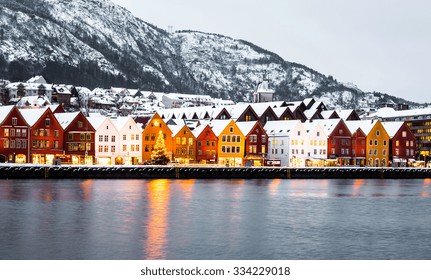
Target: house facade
[
  {"x": 46, "y": 135},
  {"x": 107, "y": 141},
  {"x": 149, "y": 137},
  {"x": 402, "y": 144},
  {"x": 231, "y": 142},
  {"x": 184, "y": 144},
  {"x": 256, "y": 143},
  {"x": 206, "y": 145},
  {"x": 14, "y": 136},
  {"x": 78, "y": 138},
  {"x": 130, "y": 142}
]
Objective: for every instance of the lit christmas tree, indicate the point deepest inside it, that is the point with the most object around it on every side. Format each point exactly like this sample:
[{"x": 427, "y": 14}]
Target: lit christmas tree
[{"x": 159, "y": 155}]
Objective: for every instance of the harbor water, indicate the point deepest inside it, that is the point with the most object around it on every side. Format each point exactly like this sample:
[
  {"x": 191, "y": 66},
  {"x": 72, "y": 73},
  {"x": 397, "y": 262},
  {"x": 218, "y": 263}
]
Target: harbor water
[{"x": 215, "y": 219}]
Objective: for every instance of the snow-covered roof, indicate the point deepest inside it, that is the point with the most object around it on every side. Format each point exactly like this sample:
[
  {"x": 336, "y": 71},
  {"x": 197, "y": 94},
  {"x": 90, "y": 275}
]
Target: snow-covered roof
[
  {"x": 387, "y": 112},
  {"x": 62, "y": 89},
  {"x": 281, "y": 128},
  {"x": 344, "y": 114},
  {"x": 328, "y": 125},
  {"x": 218, "y": 126},
  {"x": 35, "y": 100},
  {"x": 31, "y": 116},
  {"x": 176, "y": 128},
  {"x": 65, "y": 119},
  {"x": 392, "y": 127},
  {"x": 37, "y": 79},
  {"x": 246, "y": 127},
  {"x": 97, "y": 121},
  {"x": 198, "y": 130},
  {"x": 311, "y": 126},
  {"x": 4, "y": 111},
  {"x": 326, "y": 114},
  {"x": 120, "y": 122},
  {"x": 364, "y": 125}
]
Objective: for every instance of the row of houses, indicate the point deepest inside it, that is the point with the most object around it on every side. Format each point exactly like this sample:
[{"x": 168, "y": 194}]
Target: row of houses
[{"x": 230, "y": 136}]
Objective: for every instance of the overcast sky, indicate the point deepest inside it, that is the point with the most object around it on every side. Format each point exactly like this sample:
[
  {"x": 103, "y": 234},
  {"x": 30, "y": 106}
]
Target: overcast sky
[{"x": 379, "y": 45}]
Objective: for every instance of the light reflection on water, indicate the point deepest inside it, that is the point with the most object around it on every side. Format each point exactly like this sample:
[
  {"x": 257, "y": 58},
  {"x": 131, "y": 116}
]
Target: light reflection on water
[{"x": 215, "y": 219}]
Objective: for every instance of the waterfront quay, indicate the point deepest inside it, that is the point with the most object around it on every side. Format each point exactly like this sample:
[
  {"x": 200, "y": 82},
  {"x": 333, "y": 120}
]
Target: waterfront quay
[{"x": 206, "y": 172}]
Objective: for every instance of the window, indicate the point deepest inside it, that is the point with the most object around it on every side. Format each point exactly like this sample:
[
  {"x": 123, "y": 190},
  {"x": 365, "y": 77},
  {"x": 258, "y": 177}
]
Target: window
[
  {"x": 124, "y": 148},
  {"x": 12, "y": 132},
  {"x": 6, "y": 132},
  {"x": 24, "y": 132},
  {"x": 105, "y": 148},
  {"x": 375, "y": 152},
  {"x": 384, "y": 152},
  {"x": 238, "y": 139},
  {"x": 113, "y": 138},
  {"x": 55, "y": 144},
  {"x": 132, "y": 148},
  {"x": 47, "y": 122},
  {"x": 223, "y": 139},
  {"x": 183, "y": 140},
  {"x": 404, "y": 134},
  {"x": 178, "y": 140},
  {"x": 384, "y": 142},
  {"x": 318, "y": 133},
  {"x": 299, "y": 133},
  {"x": 191, "y": 141},
  {"x": 376, "y": 142},
  {"x": 106, "y": 138},
  {"x": 340, "y": 131},
  {"x": 125, "y": 137},
  {"x": 137, "y": 137},
  {"x": 231, "y": 129},
  {"x": 88, "y": 136},
  {"x": 82, "y": 136},
  {"x": 228, "y": 138},
  {"x": 132, "y": 137},
  {"x": 137, "y": 148},
  {"x": 397, "y": 151},
  {"x": 263, "y": 138},
  {"x": 14, "y": 121},
  {"x": 237, "y": 150},
  {"x": 100, "y": 138},
  {"x": 80, "y": 124},
  {"x": 70, "y": 137},
  {"x": 397, "y": 143},
  {"x": 6, "y": 143},
  {"x": 377, "y": 132},
  {"x": 113, "y": 149}
]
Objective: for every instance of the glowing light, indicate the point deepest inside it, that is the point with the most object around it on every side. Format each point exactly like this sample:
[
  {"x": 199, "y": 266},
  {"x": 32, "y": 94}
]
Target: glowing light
[{"x": 156, "y": 228}]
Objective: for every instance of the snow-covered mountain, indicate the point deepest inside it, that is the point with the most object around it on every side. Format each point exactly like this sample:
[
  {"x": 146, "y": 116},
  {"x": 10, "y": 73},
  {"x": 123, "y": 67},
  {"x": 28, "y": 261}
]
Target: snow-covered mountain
[{"x": 99, "y": 44}]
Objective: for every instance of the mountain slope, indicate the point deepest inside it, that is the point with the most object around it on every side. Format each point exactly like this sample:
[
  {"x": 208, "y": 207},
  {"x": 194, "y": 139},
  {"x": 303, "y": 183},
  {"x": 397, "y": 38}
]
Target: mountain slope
[{"x": 97, "y": 43}]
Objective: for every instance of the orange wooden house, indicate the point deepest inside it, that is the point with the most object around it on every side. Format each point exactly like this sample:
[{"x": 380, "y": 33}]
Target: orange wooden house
[{"x": 149, "y": 137}]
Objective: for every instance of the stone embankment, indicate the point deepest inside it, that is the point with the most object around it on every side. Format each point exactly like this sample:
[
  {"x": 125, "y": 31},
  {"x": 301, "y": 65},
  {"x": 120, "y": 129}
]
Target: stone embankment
[{"x": 213, "y": 172}]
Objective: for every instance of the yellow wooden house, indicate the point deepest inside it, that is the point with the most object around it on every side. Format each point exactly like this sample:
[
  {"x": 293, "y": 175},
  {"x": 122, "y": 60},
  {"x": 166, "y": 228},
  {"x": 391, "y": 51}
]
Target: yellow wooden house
[
  {"x": 231, "y": 142},
  {"x": 377, "y": 142}
]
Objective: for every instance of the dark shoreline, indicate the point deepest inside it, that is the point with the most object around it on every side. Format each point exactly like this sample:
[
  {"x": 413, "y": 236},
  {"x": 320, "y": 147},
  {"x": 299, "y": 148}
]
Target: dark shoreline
[{"x": 12, "y": 171}]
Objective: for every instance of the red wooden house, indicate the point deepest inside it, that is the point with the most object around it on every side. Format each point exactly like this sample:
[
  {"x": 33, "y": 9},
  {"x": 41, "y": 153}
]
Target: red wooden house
[
  {"x": 256, "y": 143},
  {"x": 339, "y": 141},
  {"x": 206, "y": 145},
  {"x": 359, "y": 143},
  {"x": 14, "y": 136},
  {"x": 46, "y": 135},
  {"x": 402, "y": 143},
  {"x": 78, "y": 138}
]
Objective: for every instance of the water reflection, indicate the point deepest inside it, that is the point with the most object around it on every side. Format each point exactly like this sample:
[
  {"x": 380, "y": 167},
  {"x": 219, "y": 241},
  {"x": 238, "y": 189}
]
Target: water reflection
[
  {"x": 214, "y": 219},
  {"x": 157, "y": 224}
]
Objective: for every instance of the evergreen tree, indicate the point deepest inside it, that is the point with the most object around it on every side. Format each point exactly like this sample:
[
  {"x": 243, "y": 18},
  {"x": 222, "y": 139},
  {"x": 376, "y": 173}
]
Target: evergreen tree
[{"x": 160, "y": 155}]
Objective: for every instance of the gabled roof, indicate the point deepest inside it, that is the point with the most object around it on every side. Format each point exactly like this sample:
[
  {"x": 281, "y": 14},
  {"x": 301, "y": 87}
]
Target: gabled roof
[
  {"x": 120, "y": 122},
  {"x": 176, "y": 128},
  {"x": 246, "y": 127},
  {"x": 31, "y": 116},
  {"x": 97, "y": 121},
  {"x": 65, "y": 119},
  {"x": 4, "y": 112},
  {"x": 332, "y": 114},
  {"x": 312, "y": 126},
  {"x": 198, "y": 130},
  {"x": 281, "y": 128},
  {"x": 392, "y": 127},
  {"x": 218, "y": 126},
  {"x": 365, "y": 125},
  {"x": 328, "y": 125}
]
